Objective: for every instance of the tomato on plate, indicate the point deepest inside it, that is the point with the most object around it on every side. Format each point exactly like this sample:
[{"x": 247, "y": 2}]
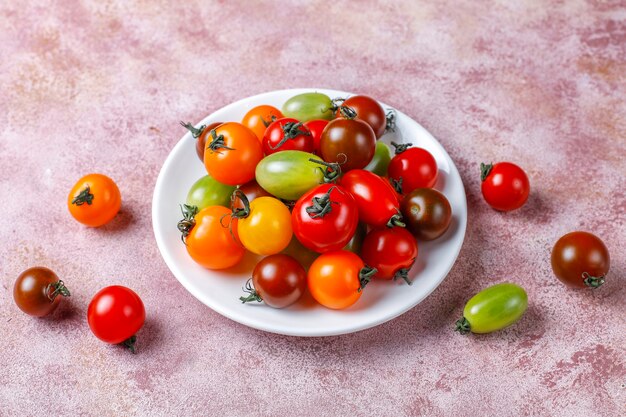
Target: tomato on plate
[
  {"x": 392, "y": 251},
  {"x": 580, "y": 260},
  {"x": 349, "y": 142},
  {"x": 36, "y": 291},
  {"x": 115, "y": 315},
  {"x": 259, "y": 118},
  {"x": 505, "y": 186},
  {"x": 232, "y": 154},
  {"x": 200, "y": 134},
  {"x": 208, "y": 192},
  {"x": 493, "y": 308},
  {"x": 325, "y": 218},
  {"x": 411, "y": 168},
  {"x": 356, "y": 243},
  {"x": 252, "y": 190},
  {"x": 94, "y": 200},
  {"x": 287, "y": 134},
  {"x": 336, "y": 279},
  {"x": 426, "y": 212},
  {"x": 380, "y": 162},
  {"x": 309, "y": 106},
  {"x": 278, "y": 280},
  {"x": 367, "y": 109},
  {"x": 208, "y": 242},
  {"x": 316, "y": 127}
]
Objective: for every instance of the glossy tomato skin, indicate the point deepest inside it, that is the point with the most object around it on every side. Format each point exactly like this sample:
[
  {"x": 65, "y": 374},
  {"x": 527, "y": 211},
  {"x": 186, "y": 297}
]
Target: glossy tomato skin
[
  {"x": 289, "y": 174},
  {"x": 232, "y": 154},
  {"x": 94, "y": 200},
  {"x": 267, "y": 228},
  {"x": 368, "y": 110},
  {"x": 411, "y": 169},
  {"x": 326, "y": 230},
  {"x": 375, "y": 199},
  {"x": 505, "y": 186},
  {"x": 392, "y": 251},
  {"x": 115, "y": 314},
  {"x": 287, "y": 134},
  {"x": 580, "y": 260},
  {"x": 279, "y": 280},
  {"x": 38, "y": 291},
  {"x": 316, "y": 127},
  {"x": 379, "y": 164},
  {"x": 333, "y": 279},
  {"x": 352, "y": 143},
  {"x": 252, "y": 190},
  {"x": 208, "y": 192},
  {"x": 426, "y": 212},
  {"x": 493, "y": 308},
  {"x": 201, "y": 137},
  {"x": 309, "y": 106},
  {"x": 259, "y": 118}
]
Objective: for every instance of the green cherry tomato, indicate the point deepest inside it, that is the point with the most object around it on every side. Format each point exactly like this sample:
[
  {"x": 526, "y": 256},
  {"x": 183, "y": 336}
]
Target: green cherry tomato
[
  {"x": 289, "y": 174},
  {"x": 309, "y": 106},
  {"x": 207, "y": 191},
  {"x": 493, "y": 308},
  {"x": 380, "y": 162},
  {"x": 356, "y": 243}
]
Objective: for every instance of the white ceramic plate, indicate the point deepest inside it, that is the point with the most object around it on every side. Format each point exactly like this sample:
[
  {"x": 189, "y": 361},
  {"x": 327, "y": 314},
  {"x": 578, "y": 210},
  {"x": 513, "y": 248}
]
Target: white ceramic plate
[{"x": 220, "y": 290}]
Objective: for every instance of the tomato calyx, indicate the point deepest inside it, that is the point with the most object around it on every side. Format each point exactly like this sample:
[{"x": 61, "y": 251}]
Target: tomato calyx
[
  {"x": 253, "y": 295},
  {"x": 462, "y": 326},
  {"x": 195, "y": 132},
  {"x": 55, "y": 289},
  {"x": 396, "y": 220},
  {"x": 266, "y": 123},
  {"x": 485, "y": 169},
  {"x": 321, "y": 205},
  {"x": 291, "y": 130},
  {"x": 396, "y": 184},
  {"x": 239, "y": 213},
  {"x": 404, "y": 274},
  {"x": 188, "y": 222},
  {"x": 83, "y": 197},
  {"x": 591, "y": 281},
  {"x": 130, "y": 344},
  {"x": 332, "y": 172},
  {"x": 390, "y": 124},
  {"x": 347, "y": 112},
  {"x": 217, "y": 143},
  {"x": 365, "y": 276},
  {"x": 401, "y": 147}
]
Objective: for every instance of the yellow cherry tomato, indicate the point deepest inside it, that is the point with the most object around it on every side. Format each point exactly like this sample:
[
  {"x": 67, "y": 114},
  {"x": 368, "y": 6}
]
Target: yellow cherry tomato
[{"x": 265, "y": 228}]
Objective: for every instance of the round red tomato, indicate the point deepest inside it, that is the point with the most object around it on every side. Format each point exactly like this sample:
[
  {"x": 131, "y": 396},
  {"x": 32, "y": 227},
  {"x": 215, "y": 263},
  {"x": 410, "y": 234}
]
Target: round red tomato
[
  {"x": 115, "y": 314},
  {"x": 376, "y": 201},
  {"x": 350, "y": 142},
  {"x": 287, "y": 134},
  {"x": 505, "y": 186},
  {"x": 316, "y": 127},
  {"x": 411, "y": 168},
  {"x": 367, "y": 109},
  {"x": 325, "y": 218},
  {"x": 391, "y": 251},
  {"x": 580, "y": 260}
]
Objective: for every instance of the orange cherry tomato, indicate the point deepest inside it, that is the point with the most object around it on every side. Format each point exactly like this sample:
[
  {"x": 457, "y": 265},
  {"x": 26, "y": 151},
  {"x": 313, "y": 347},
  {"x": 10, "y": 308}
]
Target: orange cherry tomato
[
  {"x": 94, "y": 200},
  {"x": 259, "y": 118},
  {"x": 336, "y": 279},
  {"x": 209, "y": 240},
  {"x": 232, "y": 154}
]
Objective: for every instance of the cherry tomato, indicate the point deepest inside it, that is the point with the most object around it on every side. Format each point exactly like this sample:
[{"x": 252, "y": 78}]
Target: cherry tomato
[
  {"x": 426, "y": 212},
  {"x": 580, "y": 260},
  {"x": 493, "y": 308},
  {"x": 352, "y": 143},
  {"x": 337, "y": 278},
  {"x": 278, "y": 280},
  {"x": 377, "y": 203},
  {"x": 412, "y": 168},
  {"x": 309, "y": 106},
  {"x": 316, "y": 127},
  {"x": 367, "y": 109},
  {"x": 94, "y": 200},
  {"x": 392, "y": 251},
  {"x": 208, "y": 241},
  {"x": 252, "y": 190},
  {"x": 232, "y": 154},
  {"x": 208, "y": 192},
  {"x": 200, "y": 134},
  {"x": 325, "y": 218},
  {"x": 115, "y": 315},
  {"x": 259, "y": 118},
  {"x": 380, "y": 162},
  {"x": 505, "y": 186},
  {"x": 36, "y": 291},
  {"x": 287, "y": 134}
]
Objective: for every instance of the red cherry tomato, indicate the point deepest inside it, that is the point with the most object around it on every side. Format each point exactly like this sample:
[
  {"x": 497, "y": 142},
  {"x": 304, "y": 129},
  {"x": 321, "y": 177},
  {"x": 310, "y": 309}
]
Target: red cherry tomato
[
  {"x": 287, "y": 134},
  {"x": 580, "y": 260},
  {"x": 377, "y": 202},
  {"x": 350, "y": 142},
  {"x": 325, "y": 218},
  {"x": 115, "y": 314},
  {"x": 316, "y": 127},
  {"x": 392, "y": 251},
  {"x": 505, "y": 186},
  {"x": 366, "y": 109},
  {"x": 411, "y": 168}
]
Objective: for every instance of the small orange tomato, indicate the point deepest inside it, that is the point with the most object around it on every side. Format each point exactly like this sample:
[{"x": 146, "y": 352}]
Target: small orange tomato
[
  {"x": 259, "y": 118},
  {"x": 232, "y": 154},
  {"x": 94, "y": 200}
]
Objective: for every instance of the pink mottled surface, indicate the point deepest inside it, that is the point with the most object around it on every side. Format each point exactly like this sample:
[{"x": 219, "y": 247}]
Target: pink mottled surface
[{"x": 101, "y": 85}]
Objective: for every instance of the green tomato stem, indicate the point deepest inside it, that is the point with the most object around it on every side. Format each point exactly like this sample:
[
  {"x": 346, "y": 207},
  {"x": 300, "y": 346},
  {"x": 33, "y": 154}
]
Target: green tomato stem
[
  {"x": 253, "y": 295},
  {"x": 130, "y": 343},
  {"x": 485, "y": 169},
  {"x": 194, "y": 132},
  {"x": 591, "y": 281},
  {"x": 58, "y": 288},
  {"x": 463, "y": 326},
  {"x": 396, "y": 220},
  {"x": 83, "y": 197},
  {"x": 187, "y": 223},
  {"x": 401, "y": 147}
]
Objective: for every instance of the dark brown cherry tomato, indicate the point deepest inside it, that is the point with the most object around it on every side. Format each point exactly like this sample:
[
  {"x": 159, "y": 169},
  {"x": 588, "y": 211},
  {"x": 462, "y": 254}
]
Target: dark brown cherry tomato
[
  {"x": 350, "y": 142},
  {"x": 392, "y": 251},
  {"x": 580, "y": 260},
  {"x": 37, "y": 290},
  {"x": 252, "y": 190},
  {"x": 426, "y": 212},
  {"x": 200, "y": 134},
  {"x": 278, "y": 280},
  {"x": 366, "y": 109}
]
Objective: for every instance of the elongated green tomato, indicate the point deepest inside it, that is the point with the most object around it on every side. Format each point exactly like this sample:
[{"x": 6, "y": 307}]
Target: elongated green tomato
[
  {"x": 289, "y": 174},
  {"x": 493, "y": 308},
  {"x": 309, "y": 106},
  {"x": 207, "y": 191},
  {"x": 380, "y": 162}
]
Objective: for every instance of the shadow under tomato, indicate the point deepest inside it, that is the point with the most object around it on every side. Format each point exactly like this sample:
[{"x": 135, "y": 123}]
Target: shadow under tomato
[
  {"x": 245, "y": 266},
  {"x": 148, "y": 337},
  {"x": 122, "y": 220},
  {"x": 442, "y": 178}
]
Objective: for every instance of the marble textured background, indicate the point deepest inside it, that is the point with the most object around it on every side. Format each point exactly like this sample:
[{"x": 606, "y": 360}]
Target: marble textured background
[{"x": 99, "y": 86}]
